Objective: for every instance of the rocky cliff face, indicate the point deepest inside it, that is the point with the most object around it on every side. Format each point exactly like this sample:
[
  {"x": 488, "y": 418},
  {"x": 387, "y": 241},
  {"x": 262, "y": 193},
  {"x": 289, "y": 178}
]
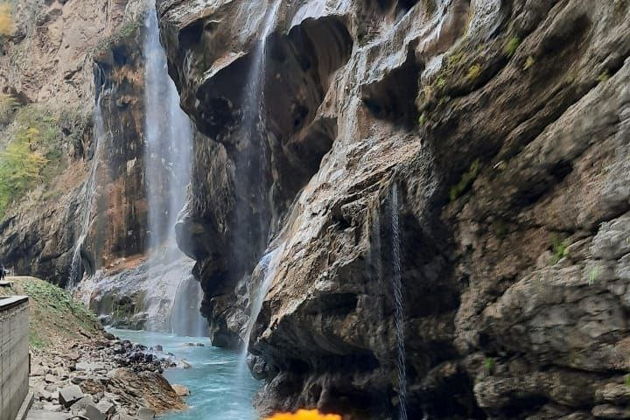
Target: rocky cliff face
[
  {"x": 59, "y": 58},
  {"x": 495, "y": 133},
  {"x": 83, "y": 68}
]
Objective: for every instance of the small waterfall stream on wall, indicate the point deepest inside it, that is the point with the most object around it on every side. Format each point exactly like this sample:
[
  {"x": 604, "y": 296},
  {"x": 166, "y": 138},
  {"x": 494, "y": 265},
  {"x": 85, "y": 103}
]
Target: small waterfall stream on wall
[
  {"x": 253, "y": 108},
  {"x": 266, "y": 271},
  {"x": 250, "y": 185},
  {"x": 89, "y": 194},
  {"x": 168, "y": 157},
  {"x": 399, "y": 304}
]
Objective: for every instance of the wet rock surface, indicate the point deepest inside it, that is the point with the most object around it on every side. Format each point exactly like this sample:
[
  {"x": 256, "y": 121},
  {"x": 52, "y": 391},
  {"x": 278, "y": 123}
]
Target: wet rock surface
[
  {"x": 140, "y": 297},
  {"x": 504, "y": 127}
]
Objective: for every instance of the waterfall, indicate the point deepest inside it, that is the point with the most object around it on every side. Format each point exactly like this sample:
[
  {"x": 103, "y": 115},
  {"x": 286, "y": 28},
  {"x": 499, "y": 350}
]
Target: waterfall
[
  {"x": 255, "y": 162},
  {"x": 255, "y": 84},
  {"x": 168, "y": 157},
  {"x": 89, "y": 194},
  {"x": 185, "y": 319},
  {"x": 251, "y": 186},
  {"x": 168, "y": 143},
  {"x": 266, "y": 270},
  {"x": 399, "y": 304}
]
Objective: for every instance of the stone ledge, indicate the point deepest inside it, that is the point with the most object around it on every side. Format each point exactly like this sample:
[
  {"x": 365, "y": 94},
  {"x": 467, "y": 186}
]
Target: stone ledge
[
  {"x": 11, "y": 302},
  {"x": 26, "y": 406}
]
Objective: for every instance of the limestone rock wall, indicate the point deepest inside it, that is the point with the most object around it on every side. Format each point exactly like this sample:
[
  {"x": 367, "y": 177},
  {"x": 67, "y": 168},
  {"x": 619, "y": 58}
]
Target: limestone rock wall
[{"x": 503, "y": 126}]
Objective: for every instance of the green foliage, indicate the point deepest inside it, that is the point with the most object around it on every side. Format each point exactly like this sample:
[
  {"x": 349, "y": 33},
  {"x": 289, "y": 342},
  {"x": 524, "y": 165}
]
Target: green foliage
[
  {"x": 511, "y": 46},
  {"x": 593, "y": 275},
  {"x": 603, "y": 76},
  {"x": 626, "y": 380},
  {"x": 31, "y": 155},
  {"x": 489, "y": 364},
  {"x": 529, "y": 63},
  {"x": 8, "y": 106},
  {"x": 473, "y": 72},
  {"x": 467, "y": 179},
  {"x": 35, "y": 340},
  {"x": 454, "y": 59},
  {"x": 54, "y": 316},
  {"x": 60, "y": 303},
  {"x": 560, "y": 249},
  {"x": 422, "y": 119}
]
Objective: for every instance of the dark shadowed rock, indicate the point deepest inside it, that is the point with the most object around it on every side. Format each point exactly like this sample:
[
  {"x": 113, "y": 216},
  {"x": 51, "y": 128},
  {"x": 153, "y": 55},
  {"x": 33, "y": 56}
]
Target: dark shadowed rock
[{"x": 503, "y": 128}]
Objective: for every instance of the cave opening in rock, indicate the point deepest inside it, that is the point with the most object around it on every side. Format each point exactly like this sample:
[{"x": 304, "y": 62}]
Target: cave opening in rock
[{"x": 393, "y": 98}]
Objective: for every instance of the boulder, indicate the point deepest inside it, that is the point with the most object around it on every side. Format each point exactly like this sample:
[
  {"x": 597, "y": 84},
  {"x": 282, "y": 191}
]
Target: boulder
[
  {"x": 181, "y": 390},
  {"x": 93, "y": 413},
  {"x": 146, "y": 413},
  {"x": 79, "y": 405},
  {"x": 69, "y": 395},
  {"x": 607, "y": 411},
  {"x": 106, "y": 407}
]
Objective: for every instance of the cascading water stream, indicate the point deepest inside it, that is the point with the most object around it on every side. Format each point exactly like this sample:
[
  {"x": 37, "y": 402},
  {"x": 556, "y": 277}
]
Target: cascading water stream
[
  {"x": 89, "y": 194},
  {"x": 185, "y": 319},
  {"x": 168, "y": 142},
  {"x": 267, "y": 268},
  {"x": 254, "y": 102},
  {"x": 168, "y": 157},
  {"x": 250, "y": 185},
  {"x": 399, "y": 304}
]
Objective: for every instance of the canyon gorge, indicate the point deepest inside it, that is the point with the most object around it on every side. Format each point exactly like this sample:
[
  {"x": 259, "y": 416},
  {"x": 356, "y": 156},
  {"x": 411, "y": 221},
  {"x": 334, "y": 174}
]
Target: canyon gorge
[{"x": 386, "y": 209}]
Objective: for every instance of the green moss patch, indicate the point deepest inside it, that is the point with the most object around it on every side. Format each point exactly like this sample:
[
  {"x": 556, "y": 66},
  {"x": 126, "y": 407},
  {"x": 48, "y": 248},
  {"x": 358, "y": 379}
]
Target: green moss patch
[{"x": 55, "y": 317}]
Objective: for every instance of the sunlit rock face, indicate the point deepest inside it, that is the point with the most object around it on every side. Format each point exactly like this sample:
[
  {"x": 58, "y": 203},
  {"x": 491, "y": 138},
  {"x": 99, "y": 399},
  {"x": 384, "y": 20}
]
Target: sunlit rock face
[
  {"x": 49, "y": 63},
  {"x": 119, "y": 226},
  {"x": 504, "y": 126}
]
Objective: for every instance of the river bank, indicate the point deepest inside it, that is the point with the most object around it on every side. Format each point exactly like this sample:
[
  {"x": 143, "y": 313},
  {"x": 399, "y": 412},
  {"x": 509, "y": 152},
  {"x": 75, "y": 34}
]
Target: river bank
[{"x": 79, "y": 369}]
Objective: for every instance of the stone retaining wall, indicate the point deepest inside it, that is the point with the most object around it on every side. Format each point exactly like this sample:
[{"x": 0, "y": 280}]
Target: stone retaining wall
[{"x": 14, "y": 355}]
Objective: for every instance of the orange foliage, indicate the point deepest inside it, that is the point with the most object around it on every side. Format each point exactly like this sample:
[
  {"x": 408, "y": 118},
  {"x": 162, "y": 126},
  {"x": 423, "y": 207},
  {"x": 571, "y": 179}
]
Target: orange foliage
[
  {"x": 304, "y": 415},
  {"x": 6, "y": 23}
]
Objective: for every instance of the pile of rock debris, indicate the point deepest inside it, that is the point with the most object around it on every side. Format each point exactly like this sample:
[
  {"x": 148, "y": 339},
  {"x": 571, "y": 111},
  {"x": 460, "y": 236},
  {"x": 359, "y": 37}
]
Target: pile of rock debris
[{"x": 104, "y": 379}]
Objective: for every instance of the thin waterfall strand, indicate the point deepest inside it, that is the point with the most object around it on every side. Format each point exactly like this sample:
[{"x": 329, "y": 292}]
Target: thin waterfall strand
[
  {"x": 253, "y": 109},
  {"x": 251, "y": 186},
  {"x": 399, "y": 305},
  {"x": 89, "y": 194},
  {"x": 267, "y": 266}
]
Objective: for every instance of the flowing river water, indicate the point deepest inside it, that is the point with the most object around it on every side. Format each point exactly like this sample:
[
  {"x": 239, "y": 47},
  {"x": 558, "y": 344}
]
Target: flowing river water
[{"x": 215, "y": 391}]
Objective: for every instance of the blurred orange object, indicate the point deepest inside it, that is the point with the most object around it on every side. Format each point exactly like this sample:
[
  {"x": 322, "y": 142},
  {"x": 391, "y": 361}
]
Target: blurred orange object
[{"x": 304, "y": 415}]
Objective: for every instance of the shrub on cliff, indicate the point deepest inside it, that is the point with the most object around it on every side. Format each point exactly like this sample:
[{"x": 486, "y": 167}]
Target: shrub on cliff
[
  {"x": 6, "y": 20},
  {"x": 31, "y": 155},
  {"x": 8, "y": 106}
]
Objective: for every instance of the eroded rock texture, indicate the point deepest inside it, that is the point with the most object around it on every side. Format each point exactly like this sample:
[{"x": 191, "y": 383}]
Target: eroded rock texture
[
  {"x": 60, "y": 58},
  {"x": 502, "y": 125}
]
